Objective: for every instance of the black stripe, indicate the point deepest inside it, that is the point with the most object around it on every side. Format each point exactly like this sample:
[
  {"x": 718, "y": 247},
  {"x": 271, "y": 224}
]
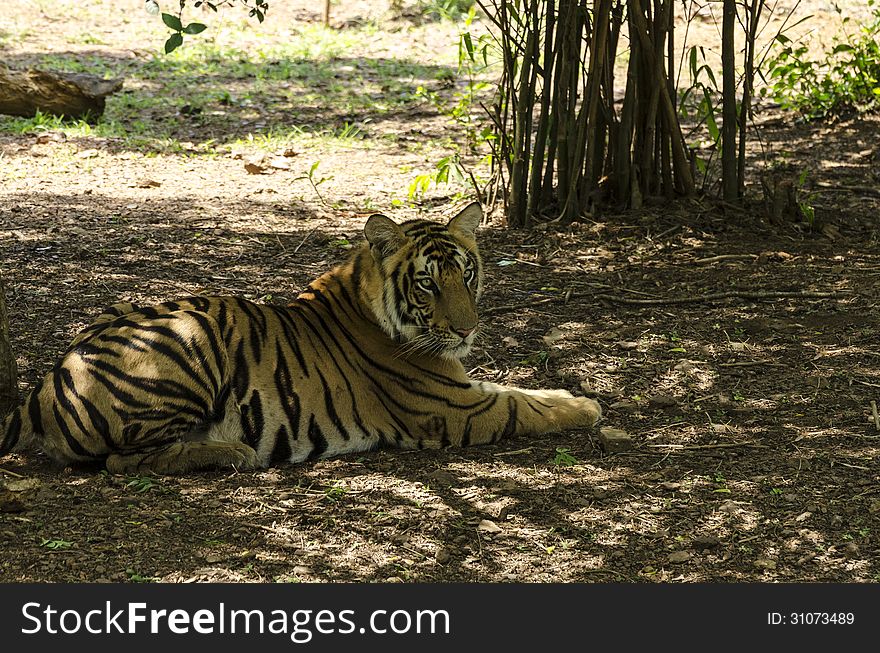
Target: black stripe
[
  {"x": 118, "y": 393},
  {"x": 99, "y": 422},
  {"x": 166, "y": 388},
  {"x": 466, "y": 436},
  {"x": 223, "y": 322},
  {"x": 75, "y": 446},
  {"x": 240, "y": 373},
  {"x": 13, "y": 430},
  {"x": 62, "y": 375},
  {"x": 34, "y": 413},
  {"x": 510, "y": 427},
  {"x": 284, "y": 386},
  {"x": 201, "y": 304},
  {"x": 331, "y": 409},
  {"x": 281, "y": 451},
  {"x": 207, "y": 323},
  {"x": 123, "y": 341},
  {"x": 291, "y": 333},
  {"x": 319, "y": 442}
]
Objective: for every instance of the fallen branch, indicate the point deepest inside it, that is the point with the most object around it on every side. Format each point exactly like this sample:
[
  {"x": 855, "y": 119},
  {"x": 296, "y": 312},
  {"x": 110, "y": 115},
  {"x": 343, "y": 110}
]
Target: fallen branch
[
  {"x": 863, "y": 190},
  {"x": 697, "y": 447},
  {"x": 730, "y": 294},
  {"x": 876, "y": 416},
  {"x": 724, "y": 257},
  {"x": 73, "y": 95}
]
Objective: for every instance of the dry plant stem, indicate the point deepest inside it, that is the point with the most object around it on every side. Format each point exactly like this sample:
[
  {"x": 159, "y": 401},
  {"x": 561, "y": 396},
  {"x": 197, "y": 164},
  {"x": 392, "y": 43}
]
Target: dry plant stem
[
  {"x": 876, "y": 416},
  {"x": 731, "y": 294}
]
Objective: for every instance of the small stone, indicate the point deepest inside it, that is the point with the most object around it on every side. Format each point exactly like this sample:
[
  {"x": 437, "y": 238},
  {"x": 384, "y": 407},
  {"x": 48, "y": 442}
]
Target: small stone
[
  {"x": 625, "y": 406},
  {"x": 553, "y": 336},
  {"x": 442, "y": 478},
  {"x": 614, "y": 440},
  {"x": 705, "y": 541},
  {"x": 213, "y": 558},
  {"x": 662, "y": 401},
  {"x": 488, "y": 526},
  {"x": 677, "y": 557},
  {"x": 729, "y": 507},
  {"x": 765, "y": 563}
]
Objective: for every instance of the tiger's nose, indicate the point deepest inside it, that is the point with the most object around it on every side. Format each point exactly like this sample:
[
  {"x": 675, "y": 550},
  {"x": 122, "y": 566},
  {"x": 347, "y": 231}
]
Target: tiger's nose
[{"x": 464, "y": 333}]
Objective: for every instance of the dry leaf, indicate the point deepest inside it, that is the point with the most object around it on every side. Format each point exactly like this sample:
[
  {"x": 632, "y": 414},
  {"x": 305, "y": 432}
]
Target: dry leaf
[
  {"x": 254, "y": 169},
  {"x": 553, "y": 335}
]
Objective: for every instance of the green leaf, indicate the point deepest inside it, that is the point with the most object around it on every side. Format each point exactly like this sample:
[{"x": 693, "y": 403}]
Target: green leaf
[
  {"x": 468, "y": 44},
  {"x": 194, "y": 28},
  {"x": 173, "y": 22},
  {"x": 174, "y": 41}
]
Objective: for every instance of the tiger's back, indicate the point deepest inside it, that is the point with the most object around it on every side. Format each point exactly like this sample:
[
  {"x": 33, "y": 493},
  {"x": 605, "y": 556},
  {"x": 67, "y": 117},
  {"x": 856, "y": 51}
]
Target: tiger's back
[{"x": 367, "y": 355}]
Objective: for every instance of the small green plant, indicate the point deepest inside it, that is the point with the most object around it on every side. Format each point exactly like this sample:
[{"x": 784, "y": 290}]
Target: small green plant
[
  {"x": 721, "y": 484},
  {"x": 135, "y": 577},
  {"x": 141, "y": 484},
  {"x": 475, "y": 55},
  {"x": 563, "y": 458},
  {"x": 446, "y": 9},
  {"x": 446, "y": 168},
  {"x": 335, "y": 492},
  {"x": 316, "y": 181},
  {"x": 56, "y": 544},
  {"x": 845, "y": 79},
  {"x": 536, "y": 359}
]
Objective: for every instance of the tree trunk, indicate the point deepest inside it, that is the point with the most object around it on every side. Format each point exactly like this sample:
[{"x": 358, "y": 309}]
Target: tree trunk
[
  {"x": 72, "y": 95},
  {"x": 730, "y": 190},
  {"x": 8, "y": 370}
]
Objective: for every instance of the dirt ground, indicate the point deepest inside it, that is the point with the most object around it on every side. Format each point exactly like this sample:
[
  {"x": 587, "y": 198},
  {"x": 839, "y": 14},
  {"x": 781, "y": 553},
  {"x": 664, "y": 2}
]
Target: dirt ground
[{"x": 755, "y": 453}]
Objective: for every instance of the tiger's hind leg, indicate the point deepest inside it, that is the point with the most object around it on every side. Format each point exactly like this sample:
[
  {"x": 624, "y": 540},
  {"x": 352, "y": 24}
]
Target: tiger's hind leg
[{"x": 182, "y": 457}]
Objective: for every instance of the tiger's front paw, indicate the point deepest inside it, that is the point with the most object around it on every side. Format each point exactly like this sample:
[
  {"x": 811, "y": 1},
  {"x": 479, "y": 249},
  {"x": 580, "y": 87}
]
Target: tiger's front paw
[{"x": 589, "y": 410}]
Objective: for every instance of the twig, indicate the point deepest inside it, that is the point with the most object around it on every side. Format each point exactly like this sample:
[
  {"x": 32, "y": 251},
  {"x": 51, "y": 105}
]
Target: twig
[
  {"x": 6, "y": 471},
  {"x": 506, "y": 308},
  {"x": 876, "y": 416},
  {"x": 727, "y": 445},
  {"x": 303, "y": 242},
  {"x": 731, "y": 294},
  {"x": 751, "y": 363},
  {"x": 866, "y": 190},
  {"x": 666, "y": 232},
  {"x": 724, "y": 257},
  {"x": 516, "y": 452},
  {"x": 871, "y": 385}
]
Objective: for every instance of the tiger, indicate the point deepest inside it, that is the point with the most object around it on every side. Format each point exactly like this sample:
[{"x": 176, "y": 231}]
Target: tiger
[{"x": 368, "y": 355}]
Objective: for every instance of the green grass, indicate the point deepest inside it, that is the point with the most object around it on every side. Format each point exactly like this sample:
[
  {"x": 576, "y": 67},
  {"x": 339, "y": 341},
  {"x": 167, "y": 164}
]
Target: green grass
[{"x": 214, "y": 94}]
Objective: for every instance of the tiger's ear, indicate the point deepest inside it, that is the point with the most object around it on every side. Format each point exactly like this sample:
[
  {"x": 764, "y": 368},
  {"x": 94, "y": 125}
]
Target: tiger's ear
[
  {"x": 467, "y": 221},
  {"x": 383, "y": 233}
]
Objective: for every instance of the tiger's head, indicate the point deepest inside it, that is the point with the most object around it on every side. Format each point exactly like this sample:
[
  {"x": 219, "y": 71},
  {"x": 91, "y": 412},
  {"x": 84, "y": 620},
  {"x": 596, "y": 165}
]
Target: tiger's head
[{"x": 431, "y": 278}]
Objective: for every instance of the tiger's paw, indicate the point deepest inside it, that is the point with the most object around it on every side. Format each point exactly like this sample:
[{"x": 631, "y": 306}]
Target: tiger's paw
[{"x": 589, "y": 409}]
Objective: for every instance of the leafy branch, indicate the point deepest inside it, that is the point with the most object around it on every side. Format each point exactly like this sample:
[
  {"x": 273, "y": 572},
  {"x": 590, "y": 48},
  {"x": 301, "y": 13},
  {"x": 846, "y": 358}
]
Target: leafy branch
[{"x": 256, "y": 9}]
